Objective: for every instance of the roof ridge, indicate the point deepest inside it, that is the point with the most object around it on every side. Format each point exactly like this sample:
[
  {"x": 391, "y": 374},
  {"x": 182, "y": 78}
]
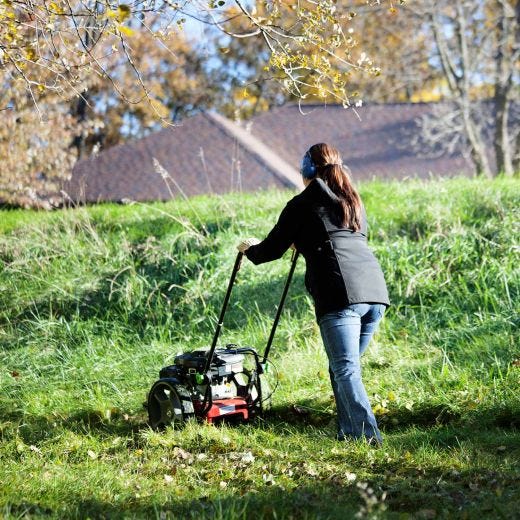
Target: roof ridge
[
  {"x": 293, "y": 105},
  {"x": 278, "y": 166}
]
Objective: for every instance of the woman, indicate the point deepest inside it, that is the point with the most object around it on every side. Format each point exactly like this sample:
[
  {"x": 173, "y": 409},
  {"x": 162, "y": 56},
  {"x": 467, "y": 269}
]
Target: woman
[{"x": 327, "y": 224}]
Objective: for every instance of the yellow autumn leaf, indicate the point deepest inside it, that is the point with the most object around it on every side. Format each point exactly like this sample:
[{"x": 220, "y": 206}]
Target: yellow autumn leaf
[
  {"x": 125, "y": 30},
  {"x": 120, "y": 14},
  {"x": 30, "y": 54},
  {"x": 54, "y": 7}
]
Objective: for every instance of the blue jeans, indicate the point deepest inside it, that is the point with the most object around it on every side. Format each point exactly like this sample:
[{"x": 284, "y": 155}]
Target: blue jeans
[{"x": 346, "y": 334}]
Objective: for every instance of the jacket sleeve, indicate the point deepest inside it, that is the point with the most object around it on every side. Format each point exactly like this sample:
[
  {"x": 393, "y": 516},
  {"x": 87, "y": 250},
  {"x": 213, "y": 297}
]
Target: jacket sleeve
[{"x": 279, "y": 238}]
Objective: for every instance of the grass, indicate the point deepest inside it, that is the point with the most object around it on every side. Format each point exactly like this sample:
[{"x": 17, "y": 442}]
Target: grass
[{"x": 94, "y": 301}]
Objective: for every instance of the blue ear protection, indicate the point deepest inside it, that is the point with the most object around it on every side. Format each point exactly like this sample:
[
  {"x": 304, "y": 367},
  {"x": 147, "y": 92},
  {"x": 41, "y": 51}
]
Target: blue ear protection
[{"x": 307, "y": 167}]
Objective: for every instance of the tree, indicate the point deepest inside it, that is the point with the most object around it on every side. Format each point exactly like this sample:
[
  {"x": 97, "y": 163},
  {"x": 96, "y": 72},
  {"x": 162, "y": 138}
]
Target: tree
[
  {"x": 64, "y": 53},
  {"x": 176, "y": 81},
  {"x": 29, "y": 32},
  {"x": 389, "y": 45},
  {"x": 35, "y": 150},
  {"x": 40, "y": 142},
  {"x": 476, "y": 44},
  {"x": 397, "y": 40}
]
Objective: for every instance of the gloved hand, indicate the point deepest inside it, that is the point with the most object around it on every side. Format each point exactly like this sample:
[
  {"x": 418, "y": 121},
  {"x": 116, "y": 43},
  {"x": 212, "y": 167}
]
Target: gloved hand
[{"x": 247, "y": 243}]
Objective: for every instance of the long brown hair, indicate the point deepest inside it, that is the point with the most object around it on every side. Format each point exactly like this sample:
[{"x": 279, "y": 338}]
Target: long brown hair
[{"x": 329, "y": 167}]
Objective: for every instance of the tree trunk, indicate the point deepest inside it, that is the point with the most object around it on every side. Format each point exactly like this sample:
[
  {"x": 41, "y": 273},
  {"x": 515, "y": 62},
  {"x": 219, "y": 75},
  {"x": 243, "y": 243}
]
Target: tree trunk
[
  {"x": 477, "y": 146},
  {"x": 516, "y": 150},
  {"x": 502, "y": 143},
  {"x": 502, "y": 103},
  {"x": 80, "y": 113},
  {"x": 516, "y": 159}
]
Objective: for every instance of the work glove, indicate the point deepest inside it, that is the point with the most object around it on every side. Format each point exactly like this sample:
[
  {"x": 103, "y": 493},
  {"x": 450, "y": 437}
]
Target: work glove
[{"x": 247, "y": 243}]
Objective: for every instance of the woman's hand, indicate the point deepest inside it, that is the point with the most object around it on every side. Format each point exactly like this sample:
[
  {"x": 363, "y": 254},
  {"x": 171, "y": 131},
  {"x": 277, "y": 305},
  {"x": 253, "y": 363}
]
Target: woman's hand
[{"x": 247, "y": 243}]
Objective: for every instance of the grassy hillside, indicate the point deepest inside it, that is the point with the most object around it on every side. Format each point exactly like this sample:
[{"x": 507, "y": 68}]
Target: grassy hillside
[{"x": 93, "y": 302}]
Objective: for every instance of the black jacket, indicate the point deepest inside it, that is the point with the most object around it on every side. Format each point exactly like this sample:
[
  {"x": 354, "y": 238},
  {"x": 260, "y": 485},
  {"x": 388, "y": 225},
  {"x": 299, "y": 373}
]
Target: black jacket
[{"x": 341, "y": 269}]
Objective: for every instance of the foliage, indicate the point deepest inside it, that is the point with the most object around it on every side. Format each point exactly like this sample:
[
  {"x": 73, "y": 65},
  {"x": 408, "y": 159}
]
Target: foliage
[
  {"x": 93, "y": 301},
  {"x": 98, "y": 72},
  {"x": 34, "y": 159},
  {"x": 390, "y": 45},
  {"x": 29, "y": 32},
  {"x": 41, "y": 146}
]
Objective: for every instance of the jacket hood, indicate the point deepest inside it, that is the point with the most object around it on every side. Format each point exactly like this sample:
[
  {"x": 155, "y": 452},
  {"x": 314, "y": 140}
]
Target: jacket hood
[{"x": 319, "y": 188}]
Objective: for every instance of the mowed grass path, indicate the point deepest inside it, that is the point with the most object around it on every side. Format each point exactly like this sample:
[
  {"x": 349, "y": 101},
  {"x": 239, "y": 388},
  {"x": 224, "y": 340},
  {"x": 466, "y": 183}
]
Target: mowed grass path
[{"x": 94, "y": 301}]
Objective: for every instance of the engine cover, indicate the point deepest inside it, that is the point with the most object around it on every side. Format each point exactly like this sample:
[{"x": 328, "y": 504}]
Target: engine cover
[{"x": 224, "y": 362}]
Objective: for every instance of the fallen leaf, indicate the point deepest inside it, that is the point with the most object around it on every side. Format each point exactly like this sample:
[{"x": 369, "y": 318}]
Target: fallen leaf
[
  {"x": 268, "y": 479},
  {"x": 244, "y": 456},
  {"x": 351, "y": 477},
  {"x": 247, "y": 457},
  {"x": 312, "y": 472},
  {"x": 181, "y": 454}
]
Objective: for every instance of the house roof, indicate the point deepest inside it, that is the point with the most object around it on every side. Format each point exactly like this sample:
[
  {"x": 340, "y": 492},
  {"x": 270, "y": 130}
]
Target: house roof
[
  {"x": 209, "y": 153},
  {"x": 374, "y": 140},
  {"x": 203, "y": 154}
]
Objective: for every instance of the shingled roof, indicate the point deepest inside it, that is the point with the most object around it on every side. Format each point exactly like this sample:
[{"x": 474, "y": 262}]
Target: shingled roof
[
  {"x": 208, "y": 153},
  {"x": 374, "y": 141},
  {"x": 204, "y": 154}
]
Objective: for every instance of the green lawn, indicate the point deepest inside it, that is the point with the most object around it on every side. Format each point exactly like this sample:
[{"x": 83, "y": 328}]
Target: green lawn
[{"x": 94, "y": 301}]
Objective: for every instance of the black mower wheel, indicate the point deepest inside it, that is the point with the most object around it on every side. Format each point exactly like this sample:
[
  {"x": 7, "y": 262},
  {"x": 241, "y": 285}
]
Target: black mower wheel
[{"x": 169, "y": 404}]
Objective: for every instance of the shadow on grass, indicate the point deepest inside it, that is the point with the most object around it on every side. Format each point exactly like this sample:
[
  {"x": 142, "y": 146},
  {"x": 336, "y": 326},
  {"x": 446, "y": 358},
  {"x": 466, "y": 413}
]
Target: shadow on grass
[
  {"x": 35, "y": 429},
  {"x": 417, "y": 492},
  {"x": 311, "y": 501},
  {"x": 432, "y": 424},
  {"x": 437, "y": 414}
]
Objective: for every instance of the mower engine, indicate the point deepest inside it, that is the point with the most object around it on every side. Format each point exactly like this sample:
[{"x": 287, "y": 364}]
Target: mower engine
[{"x": 226, "y": 389}]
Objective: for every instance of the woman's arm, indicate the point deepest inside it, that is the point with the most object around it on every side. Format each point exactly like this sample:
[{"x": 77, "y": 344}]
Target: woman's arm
[{"x": 279, "y": 239}]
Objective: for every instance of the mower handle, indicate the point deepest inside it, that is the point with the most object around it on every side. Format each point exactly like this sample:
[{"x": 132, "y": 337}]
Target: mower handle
[
  {"x": 294, "y": 259},
  {"x": 236, "y": 267}
]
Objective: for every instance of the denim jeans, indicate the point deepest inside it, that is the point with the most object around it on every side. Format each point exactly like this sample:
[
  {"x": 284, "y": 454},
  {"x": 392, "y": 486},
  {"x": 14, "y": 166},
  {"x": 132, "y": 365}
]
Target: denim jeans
[{"x": 346, "y": 334}]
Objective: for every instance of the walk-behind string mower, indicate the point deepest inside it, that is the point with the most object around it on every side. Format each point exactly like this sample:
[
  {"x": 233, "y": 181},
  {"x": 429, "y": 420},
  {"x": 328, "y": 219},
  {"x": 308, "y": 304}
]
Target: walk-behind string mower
[{"x": 211, "y": 384}]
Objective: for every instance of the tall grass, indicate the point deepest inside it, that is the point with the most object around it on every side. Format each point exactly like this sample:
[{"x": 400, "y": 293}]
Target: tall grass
[{"x": 94, "y": 301}]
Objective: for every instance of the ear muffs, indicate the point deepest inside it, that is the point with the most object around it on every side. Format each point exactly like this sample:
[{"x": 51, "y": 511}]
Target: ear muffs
[{"x": 307, "y": 167}]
